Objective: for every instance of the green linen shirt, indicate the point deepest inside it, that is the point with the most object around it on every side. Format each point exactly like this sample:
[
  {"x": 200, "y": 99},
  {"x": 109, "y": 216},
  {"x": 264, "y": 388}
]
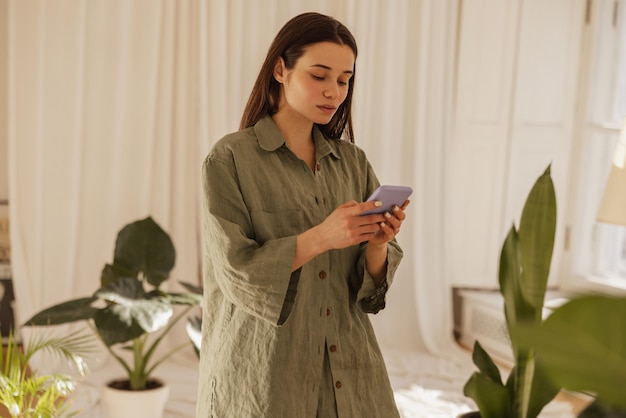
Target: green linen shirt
[{"x": 266, "y": 329}]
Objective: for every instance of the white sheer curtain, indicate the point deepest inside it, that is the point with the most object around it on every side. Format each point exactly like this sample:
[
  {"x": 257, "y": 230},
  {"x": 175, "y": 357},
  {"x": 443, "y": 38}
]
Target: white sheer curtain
[
  {"x": 114, "y": 103},
  {"x": 102, "y": 131}
]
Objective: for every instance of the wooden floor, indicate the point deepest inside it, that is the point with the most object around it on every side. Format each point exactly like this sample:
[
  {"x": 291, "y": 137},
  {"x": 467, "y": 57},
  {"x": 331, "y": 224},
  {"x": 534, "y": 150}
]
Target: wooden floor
[{"x": 578, "y": 400}]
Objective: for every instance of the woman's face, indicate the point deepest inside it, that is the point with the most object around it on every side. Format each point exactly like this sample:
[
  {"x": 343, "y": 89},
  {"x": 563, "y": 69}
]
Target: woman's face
[{"x": 318, "y": 83}]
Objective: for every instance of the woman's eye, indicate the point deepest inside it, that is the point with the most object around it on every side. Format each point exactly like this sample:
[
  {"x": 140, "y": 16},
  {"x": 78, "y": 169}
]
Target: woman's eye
[
  {"x": 316, "y": 77},
  {"x": 342, "y": 83}
]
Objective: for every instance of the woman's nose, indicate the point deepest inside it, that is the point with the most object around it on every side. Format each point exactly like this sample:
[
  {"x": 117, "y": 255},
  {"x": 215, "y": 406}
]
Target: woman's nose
[{"x": 331, "y": 91}]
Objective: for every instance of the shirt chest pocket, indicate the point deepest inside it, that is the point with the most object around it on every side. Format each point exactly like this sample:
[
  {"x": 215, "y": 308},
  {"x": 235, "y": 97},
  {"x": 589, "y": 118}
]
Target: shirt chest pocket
[{"x": 279, "y": 223}]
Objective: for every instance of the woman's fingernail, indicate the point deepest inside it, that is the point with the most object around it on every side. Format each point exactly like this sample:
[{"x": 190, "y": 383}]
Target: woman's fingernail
[
  {"x": 378, "y": 203},
  {"x": 387, "y": 215}
]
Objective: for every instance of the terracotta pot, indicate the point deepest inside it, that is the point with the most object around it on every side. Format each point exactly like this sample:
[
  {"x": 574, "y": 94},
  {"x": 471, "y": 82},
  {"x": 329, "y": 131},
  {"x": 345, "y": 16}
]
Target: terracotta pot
[{"x": 120, "y": 403}]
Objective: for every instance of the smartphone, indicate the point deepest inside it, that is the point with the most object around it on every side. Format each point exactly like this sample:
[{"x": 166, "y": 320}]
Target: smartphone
[{"x": 390, "y": 196}]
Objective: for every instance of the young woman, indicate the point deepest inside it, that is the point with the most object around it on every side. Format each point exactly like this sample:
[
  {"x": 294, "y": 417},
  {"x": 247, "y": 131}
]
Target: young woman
[{"x": 291, "y": 267}]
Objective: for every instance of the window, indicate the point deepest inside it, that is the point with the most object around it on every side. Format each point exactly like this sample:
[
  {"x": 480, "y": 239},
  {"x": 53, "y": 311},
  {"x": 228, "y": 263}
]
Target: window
[{"x": 597, "y": 251}]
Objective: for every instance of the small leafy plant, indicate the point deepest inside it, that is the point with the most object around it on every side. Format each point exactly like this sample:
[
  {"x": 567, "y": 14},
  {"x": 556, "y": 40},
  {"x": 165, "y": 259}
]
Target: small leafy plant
[
  {"x": 523, "y": 275},
  {"x": 130, "y": 304},
  {"x": 27, "y": 394}
]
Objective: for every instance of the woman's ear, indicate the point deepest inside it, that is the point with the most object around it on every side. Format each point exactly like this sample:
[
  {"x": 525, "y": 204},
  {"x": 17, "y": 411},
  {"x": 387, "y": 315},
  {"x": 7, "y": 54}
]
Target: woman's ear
[{"x": 279, "y": 70}]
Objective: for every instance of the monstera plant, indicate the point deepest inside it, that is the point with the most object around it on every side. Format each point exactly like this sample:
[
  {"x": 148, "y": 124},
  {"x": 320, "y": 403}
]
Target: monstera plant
[
  {"x": 523, "y": 275},
  {"x": 130, "y": 305}
]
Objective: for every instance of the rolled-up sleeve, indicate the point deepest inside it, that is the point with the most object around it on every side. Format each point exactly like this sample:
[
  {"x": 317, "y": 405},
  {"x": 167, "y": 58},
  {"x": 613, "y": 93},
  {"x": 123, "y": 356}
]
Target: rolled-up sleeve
[
  {"x": 370, "y": 298},
  {"x": 256, "y": 277}
]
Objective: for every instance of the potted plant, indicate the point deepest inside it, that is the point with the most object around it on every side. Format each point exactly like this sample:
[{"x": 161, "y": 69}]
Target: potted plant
[
  {"x": 25, "y": 393},
  {"x": 127, "y": 309},
  {"x": 523, "y": 274},
  {"x": 582, "y": 344}
]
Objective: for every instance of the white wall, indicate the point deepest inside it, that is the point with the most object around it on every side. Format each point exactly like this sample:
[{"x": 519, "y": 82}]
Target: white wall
[{"x": 4, "y": 25}]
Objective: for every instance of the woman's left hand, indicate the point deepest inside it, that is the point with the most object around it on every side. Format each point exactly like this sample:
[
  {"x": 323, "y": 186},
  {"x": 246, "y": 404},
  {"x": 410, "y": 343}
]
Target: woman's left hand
[{"x": 391, "y": 226}]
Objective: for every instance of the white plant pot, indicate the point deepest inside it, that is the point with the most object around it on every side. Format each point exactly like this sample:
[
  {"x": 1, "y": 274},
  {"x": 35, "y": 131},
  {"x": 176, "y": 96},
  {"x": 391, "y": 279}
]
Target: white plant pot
[{"x": 117, "y": 403}]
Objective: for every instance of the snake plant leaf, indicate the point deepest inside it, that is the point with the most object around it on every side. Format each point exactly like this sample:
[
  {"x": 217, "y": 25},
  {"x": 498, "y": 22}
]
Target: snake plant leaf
[
  {"x": 516, "y": 307},
  {"x": 142, "y": 246},
  {"x": 70, "y": 311},
  {"x": 542, "y": 389},
  {"x": 491, "y": 397},
  {"x": 523, "y": 272},
  {"x": 524, "y": 267},
  {"x": 485, "y": 364},
  {"x": 485, "y": 387},
  {"x": 582, "y": 345},
  {"x": 536, "y": 240}
]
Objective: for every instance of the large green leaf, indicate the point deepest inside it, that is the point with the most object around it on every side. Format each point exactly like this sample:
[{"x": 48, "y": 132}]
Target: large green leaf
[
  {"x": 112, "y": 272},
  {"x": 523, "y": 273},
  {"x": 485, "y": 387},
  {"x": 114, "y": 328},
  {"x": 142, "y": 246},
  {"x": 492, "y": 398},
  {"x": 130, "y": 313},
  {"x": 122, "y": 289},
  {"x": 542, "y": 389},
  {"x": 516, "y": 307},
  {"x": 582, "y": 345},
  {"x": 71, "y": 311},
  {"x": 485, "y": 364},
  {"x": 536, "y": 239}
]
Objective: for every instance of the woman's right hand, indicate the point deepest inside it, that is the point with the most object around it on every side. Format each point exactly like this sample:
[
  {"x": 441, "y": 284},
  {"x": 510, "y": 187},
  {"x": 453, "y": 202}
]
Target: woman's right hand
[{"x": 345, "y": 226}]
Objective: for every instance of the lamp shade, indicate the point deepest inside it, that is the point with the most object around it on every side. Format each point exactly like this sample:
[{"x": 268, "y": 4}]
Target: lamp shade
[{"x": 613, "y": 206}]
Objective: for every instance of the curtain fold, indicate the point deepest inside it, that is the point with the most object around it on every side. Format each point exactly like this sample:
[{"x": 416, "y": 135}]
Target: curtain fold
[{"x": 113, "y": 104}]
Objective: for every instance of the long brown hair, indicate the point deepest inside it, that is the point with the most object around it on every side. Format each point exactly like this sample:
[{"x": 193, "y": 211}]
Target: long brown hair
[{"x": 289, "y": 43}]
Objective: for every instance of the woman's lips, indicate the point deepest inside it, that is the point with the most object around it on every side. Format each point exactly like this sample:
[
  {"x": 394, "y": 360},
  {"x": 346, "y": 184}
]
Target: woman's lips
[{"x": 327, "y": 109}]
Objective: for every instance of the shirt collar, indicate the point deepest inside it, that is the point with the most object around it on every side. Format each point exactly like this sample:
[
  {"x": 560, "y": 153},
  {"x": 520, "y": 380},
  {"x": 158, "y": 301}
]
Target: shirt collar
[{"x": 270, "y": 138}]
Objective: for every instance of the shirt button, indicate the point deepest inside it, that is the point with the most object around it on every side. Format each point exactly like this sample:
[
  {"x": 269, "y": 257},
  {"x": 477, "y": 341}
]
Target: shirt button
[
  {"x": 322, "y": 274},
  {"x": 332, "y": 349},
  {"x": 318, "y": 167},
  {"x": 327, "y": 311},
  {"x": 338, "y": 384}
]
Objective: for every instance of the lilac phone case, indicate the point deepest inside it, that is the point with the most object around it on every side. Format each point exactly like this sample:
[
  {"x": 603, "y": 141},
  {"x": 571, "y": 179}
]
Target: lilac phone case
[{"x": 390, "y": 196}]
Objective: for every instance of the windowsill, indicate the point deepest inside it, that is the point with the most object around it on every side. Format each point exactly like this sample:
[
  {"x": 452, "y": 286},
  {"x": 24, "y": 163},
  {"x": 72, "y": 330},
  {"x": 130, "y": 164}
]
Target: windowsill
[{"x": 595, "y": 284}]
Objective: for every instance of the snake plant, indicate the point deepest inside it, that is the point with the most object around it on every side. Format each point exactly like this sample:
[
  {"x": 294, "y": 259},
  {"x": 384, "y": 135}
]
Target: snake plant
[{"x": 524, "y": 267}]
